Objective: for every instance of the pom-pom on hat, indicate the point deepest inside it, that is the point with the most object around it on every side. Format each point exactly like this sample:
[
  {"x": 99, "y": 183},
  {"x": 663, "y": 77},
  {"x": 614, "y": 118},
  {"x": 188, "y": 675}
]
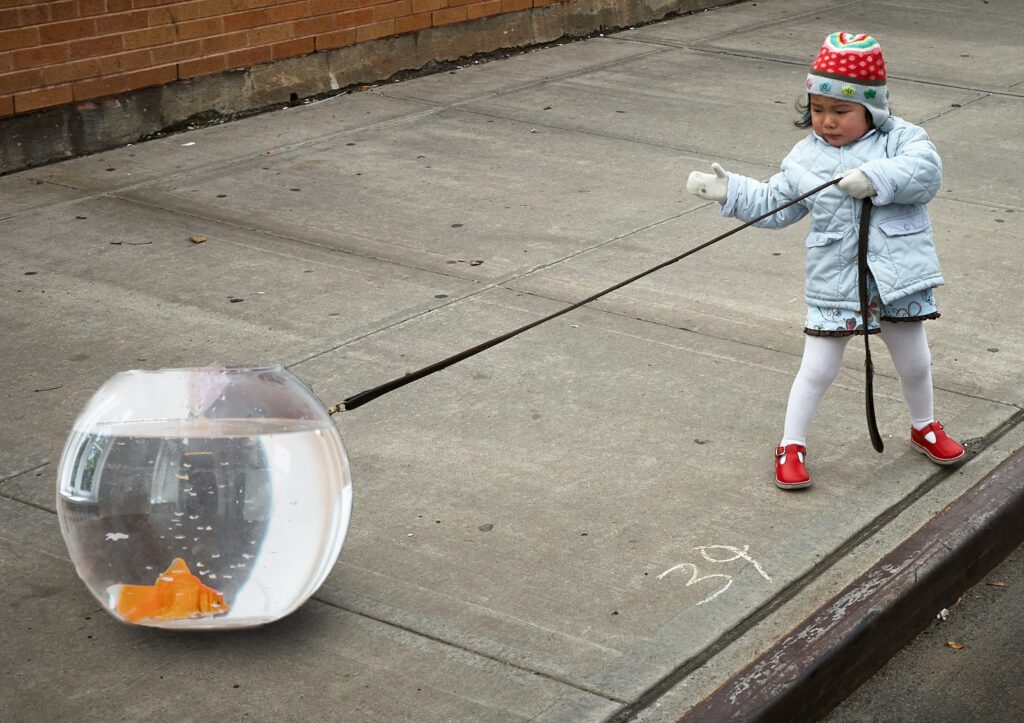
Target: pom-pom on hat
[{"x": 850, "y": 67}]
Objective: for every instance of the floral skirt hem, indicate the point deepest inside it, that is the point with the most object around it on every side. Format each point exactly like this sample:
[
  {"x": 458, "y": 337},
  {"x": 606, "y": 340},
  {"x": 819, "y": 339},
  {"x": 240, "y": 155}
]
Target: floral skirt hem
[
  {"x": 859, "y": 331},
  {"x": 832, "y": 321}
]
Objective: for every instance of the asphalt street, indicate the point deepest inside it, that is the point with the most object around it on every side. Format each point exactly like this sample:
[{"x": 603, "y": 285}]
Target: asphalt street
[{"x": 965, "y": 667}]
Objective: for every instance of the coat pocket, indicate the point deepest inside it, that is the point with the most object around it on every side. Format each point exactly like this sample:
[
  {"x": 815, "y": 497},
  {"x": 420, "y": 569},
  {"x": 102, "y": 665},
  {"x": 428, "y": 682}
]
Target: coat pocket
[
  {"x": 822, "y": 238},
  {"x": 905, "y": 225}
]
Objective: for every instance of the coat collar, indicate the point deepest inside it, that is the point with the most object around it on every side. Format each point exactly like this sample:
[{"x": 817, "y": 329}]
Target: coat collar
[{"x": 871, "y": 132}]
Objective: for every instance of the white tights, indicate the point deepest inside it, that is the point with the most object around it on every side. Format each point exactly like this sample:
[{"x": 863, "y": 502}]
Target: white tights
[{"x": 823, "y": 356}]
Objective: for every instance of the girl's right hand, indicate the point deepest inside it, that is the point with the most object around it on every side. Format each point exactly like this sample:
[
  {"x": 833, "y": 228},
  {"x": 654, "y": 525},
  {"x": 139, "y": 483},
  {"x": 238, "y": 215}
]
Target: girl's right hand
[{"x": 712, "y": 187}]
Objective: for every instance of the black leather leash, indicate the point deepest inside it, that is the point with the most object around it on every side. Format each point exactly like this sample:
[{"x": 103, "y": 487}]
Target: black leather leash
[
  {"x": 862, "y": 291},
  {"x": 357, "y": 400}
]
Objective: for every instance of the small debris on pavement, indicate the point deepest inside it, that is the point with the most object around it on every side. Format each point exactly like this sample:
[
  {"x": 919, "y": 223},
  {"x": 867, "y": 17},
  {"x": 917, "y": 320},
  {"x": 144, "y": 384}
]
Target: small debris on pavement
[
  {"x": 197, "y": 239},
  {"x": 955, "y": 645}
]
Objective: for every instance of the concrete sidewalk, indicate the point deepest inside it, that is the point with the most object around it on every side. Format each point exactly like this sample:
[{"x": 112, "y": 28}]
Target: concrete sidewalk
[{"x": 515, "y": 514}]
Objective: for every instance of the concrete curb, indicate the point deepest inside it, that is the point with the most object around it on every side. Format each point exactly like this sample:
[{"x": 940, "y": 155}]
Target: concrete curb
[{"x": 825, "y": 658}]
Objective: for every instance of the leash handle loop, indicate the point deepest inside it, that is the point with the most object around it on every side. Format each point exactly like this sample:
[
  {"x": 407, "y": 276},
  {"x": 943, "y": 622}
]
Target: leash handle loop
[{"x": 862, "y": 292}]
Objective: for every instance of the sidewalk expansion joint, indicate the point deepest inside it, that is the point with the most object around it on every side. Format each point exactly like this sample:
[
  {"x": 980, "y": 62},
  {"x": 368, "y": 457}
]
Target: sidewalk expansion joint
[
  {"x": 760, "y": 25},
  {"x": 693, "y": 152},
  {"x": 113, "y": 192},
  {"x": 848, "y": 638},
  {"x": 527, "y": 84},
  {"x": 236, "y": 225},
  {"x": 980, "y": 203},
  {"x": 699, "y": 47},
  {"x": 27, "y": 503},
  {"x": 663, "y": 686},
  {"x": 502, "y": 283},
  {"x": 12, "y": 475},
  {"x": 954, "y": 108},
  {"x": 477, "y": 653}
]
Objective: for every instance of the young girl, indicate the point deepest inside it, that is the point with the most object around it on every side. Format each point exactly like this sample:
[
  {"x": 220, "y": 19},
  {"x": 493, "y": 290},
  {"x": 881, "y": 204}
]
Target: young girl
[{"x": 895, "y": 164}]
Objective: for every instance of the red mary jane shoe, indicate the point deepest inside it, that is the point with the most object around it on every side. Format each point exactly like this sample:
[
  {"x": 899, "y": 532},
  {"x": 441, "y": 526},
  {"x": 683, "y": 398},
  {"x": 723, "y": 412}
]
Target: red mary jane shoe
[
  {"x": 936, "y": 444},
  {"x": 790, "y": 472}
]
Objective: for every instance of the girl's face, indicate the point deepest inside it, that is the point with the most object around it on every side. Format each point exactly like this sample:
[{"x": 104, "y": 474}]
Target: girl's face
[{"x": 838, "y": 121}]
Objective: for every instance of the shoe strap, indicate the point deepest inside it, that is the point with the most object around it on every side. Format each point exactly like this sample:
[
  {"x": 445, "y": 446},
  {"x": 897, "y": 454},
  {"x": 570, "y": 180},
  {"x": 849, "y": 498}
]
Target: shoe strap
[{"x": 800, "y": 449}]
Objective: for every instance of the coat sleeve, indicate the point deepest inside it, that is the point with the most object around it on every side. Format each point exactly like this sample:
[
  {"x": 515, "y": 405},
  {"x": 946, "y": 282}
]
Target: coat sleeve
[
  {"x": 911, "y": 174},
  {"x": 749, "y": 198}
]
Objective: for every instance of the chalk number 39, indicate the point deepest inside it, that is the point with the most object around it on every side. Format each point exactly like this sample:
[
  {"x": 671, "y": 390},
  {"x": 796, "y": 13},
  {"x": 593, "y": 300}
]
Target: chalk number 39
[{"x": 705, "y": 551}]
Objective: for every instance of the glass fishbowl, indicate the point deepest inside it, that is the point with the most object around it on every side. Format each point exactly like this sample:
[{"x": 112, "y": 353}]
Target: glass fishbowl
[{"x": 204, "y": 498}]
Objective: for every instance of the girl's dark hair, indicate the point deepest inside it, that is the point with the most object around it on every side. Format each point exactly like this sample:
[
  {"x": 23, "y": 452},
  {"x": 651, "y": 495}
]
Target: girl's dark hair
[{"x": 803, "y": 107}]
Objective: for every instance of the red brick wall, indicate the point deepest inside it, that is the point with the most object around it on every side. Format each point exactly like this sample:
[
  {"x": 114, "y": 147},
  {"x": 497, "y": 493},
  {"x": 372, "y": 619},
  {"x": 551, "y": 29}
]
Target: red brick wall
[{"x": 57, "y": 52}]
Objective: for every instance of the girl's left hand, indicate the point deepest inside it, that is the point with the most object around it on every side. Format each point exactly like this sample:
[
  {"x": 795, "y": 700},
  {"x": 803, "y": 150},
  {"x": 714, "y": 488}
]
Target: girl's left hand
[{"x": 857, "y": 184}]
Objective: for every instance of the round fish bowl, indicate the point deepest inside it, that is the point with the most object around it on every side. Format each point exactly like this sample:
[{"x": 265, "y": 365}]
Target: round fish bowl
[{"x": 204, "y": 498}]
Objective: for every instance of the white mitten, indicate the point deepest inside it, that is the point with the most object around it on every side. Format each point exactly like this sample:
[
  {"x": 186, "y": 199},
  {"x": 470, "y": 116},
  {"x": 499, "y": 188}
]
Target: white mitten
[
  {"x": 713, "y": 187},
  {"x": 857, "y": 184}
]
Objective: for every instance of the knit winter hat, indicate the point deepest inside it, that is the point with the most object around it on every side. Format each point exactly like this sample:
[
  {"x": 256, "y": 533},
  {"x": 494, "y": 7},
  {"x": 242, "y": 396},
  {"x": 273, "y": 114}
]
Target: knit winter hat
[{"x": 850, "y": 67}]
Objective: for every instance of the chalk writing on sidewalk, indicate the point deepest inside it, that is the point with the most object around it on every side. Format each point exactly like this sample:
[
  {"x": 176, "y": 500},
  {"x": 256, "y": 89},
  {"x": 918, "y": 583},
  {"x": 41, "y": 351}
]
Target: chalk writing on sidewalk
[{"x": 705, "y": 552}]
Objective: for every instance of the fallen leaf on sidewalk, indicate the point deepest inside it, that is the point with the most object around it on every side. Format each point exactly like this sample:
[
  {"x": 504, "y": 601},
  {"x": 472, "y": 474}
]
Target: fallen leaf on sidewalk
[
  {"x": 955, "y": 645},
  {"x": 197, "y": 239},
  {"x": 996, "y": 583}
]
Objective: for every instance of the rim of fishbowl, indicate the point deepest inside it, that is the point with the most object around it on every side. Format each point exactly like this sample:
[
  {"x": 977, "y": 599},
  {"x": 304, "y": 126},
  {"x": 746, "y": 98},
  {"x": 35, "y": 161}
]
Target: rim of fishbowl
[{"x": 235, "y": 369}]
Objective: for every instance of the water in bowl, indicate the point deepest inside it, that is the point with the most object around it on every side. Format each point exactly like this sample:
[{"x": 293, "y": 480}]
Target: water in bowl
[{"x": 205, "y": 522}]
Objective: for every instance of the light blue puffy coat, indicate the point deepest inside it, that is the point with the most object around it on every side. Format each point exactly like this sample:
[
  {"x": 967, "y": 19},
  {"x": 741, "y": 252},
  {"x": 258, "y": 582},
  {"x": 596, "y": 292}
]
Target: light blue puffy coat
[{"x": 905, "y": 169}]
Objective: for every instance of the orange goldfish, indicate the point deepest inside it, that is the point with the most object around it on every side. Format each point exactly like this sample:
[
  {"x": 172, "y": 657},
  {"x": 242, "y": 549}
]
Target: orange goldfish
[{"x": 176, "y": 595}]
